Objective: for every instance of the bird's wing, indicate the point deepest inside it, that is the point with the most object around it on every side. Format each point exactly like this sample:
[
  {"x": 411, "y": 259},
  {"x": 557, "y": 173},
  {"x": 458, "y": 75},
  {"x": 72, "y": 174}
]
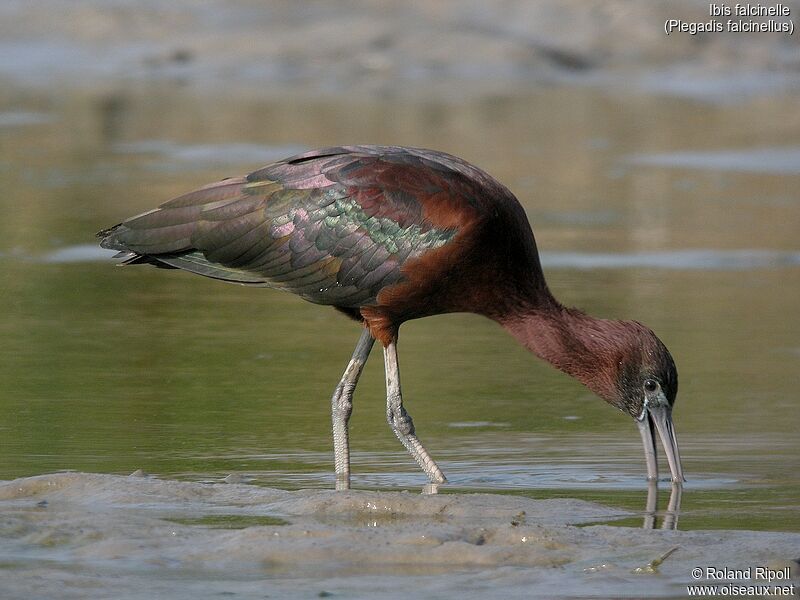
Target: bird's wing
[{"x": 333, "y": 226}]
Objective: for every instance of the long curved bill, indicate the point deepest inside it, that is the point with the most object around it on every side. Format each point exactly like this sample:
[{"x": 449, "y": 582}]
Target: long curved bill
[{"x": 659, "y": 418}]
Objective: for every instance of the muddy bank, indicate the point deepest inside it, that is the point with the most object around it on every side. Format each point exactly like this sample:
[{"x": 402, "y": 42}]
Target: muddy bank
[
  {"x": 86, "y": 535},
  {"x": 450, "y": 46}
]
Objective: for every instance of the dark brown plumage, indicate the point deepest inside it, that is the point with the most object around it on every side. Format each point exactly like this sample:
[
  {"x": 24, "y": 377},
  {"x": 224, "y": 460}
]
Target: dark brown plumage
[{"x": 387, "y": 234}]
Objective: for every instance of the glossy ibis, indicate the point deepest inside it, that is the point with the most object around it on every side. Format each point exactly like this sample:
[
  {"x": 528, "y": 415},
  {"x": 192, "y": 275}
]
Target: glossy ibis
[{"x": 386, "y": 234}]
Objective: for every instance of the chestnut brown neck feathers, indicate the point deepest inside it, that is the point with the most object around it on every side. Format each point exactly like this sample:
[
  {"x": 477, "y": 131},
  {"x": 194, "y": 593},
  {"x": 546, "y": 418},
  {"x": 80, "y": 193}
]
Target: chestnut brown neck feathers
[{"x": 595, "y": 351}]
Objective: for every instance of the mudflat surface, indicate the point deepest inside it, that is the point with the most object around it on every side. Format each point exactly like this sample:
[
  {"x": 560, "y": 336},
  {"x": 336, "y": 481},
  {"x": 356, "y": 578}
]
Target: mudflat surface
[
  {"x": 448, "y": 47},
  {"x": 95, "y": 536}
]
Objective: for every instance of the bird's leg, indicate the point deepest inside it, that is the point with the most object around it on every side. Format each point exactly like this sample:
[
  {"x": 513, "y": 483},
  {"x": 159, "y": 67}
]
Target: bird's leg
[
  {"x": 342, "y": 407},
  {"x": 400, "y": 421}
]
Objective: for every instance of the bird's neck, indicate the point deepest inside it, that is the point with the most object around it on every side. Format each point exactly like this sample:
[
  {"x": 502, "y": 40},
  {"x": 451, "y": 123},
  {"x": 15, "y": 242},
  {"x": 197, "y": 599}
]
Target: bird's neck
[{"x": 580, "y": 345}]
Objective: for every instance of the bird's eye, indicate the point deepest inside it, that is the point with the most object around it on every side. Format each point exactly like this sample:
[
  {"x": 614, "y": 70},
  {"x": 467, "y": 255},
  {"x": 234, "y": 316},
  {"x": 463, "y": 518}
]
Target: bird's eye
[{"x": 650, "y": 385}]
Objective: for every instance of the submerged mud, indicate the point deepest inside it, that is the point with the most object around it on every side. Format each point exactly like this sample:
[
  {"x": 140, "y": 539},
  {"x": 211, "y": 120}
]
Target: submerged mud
[{"x": 87, "y": 535}]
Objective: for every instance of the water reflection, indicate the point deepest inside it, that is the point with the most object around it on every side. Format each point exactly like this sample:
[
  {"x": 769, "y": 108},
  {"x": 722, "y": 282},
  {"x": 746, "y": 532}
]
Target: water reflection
[
  {"x": 429, "y": 489},
  {"x": 670, "y": 518}
]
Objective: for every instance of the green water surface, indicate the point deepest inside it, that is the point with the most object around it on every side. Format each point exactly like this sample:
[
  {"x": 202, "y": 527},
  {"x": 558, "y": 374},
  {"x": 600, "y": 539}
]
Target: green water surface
[{"x": 112, "y": 370}]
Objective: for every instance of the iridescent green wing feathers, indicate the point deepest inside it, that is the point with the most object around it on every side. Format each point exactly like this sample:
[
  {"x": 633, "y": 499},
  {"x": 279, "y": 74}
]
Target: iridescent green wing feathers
[{"x": 334, "y": 228}]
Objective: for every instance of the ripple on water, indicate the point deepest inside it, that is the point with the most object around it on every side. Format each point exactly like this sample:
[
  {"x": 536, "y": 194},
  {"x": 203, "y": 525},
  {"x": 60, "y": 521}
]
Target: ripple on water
[
  {"x": 21, "y": 118},
  {"x": 175, "y": 156},
  {"x": 700, "y": 259},
  {"x": 779, "y": 161}
]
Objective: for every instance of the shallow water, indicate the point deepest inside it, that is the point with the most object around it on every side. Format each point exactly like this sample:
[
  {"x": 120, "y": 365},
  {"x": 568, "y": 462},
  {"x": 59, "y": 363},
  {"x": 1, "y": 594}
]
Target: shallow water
[{"x": 111, "y": 370}]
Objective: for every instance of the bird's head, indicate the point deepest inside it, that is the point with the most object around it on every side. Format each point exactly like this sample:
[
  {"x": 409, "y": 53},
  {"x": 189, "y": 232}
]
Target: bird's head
[
  {"x": 645, "y": 387},
  {"x": 623, "y": 362}
]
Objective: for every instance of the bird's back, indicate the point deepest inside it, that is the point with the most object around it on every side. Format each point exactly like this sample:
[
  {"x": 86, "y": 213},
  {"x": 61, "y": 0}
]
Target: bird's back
[{"x": 346, "y": 226}]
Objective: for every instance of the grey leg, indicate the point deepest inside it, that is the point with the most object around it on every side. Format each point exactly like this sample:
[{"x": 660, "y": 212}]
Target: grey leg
[
  {"x": 342, "y": 407},
  {"x": 400, "y": 421}
]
